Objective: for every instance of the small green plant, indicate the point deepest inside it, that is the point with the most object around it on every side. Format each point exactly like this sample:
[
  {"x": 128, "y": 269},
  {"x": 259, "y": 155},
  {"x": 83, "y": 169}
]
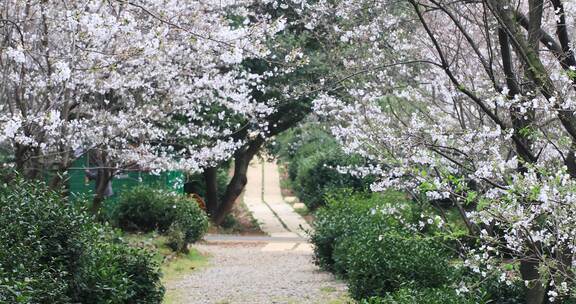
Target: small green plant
[
  {"x": 144, "y": 209},
  {"x": 53, "y": 252},
  {"x": 230, "y": 222},
  {"x": 176, "y": 238}
]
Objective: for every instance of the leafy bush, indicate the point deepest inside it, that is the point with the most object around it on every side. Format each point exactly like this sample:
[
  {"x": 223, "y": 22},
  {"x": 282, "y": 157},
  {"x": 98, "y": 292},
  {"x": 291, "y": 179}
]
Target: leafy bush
[
  {"x": 384, "y": 262},
  {"x": 343, "y": 216},
  {"x": 297, "y": 144},
  {"x": 426, "y": 295},
  {"x": 190, "y": 218},
  {"x": 377, "y": 263},
  {"x": 146, "y": 209},
  {"x": 52, "y": 252},
  {"x": 318, "y": 176},
  {"x": 107, "y": 267},
  {"x": 488, "y": 290},
  {"x": 373, "y": 250}
]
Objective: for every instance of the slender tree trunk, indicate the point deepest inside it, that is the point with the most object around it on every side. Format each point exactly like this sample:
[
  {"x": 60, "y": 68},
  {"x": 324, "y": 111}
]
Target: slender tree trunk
[
  {"x": 522, "y": 123},
  {"x": 211, "y": 180},
  {"x": 104, "y": 177},
  {"x": 242, "y": 160}
]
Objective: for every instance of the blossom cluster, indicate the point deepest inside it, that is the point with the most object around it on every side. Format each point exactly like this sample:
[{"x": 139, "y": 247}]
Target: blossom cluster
[{"x": 159, "y": 84}]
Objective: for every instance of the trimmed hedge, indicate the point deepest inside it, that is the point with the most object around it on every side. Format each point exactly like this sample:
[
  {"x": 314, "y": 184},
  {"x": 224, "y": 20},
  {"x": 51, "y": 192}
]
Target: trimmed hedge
[
  {"x": 318, "y": 177},
  {"x": 53, "y": 252},
  {"x": 373, "y": 250},
  {"x": 146, "y": 209},
  {"x": 426, "y": 295},
  {"x": 345, "y": 213},
  {"x": 378, "y": 263},
  {"x": 385, "y": 262}
]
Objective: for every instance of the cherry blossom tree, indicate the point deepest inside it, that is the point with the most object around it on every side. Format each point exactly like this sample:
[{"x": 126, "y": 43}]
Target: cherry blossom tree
[
  {"x": 472, "y": 102},
  {"x": 303, "y": 61},
  {"x": 148, "y": 84}
]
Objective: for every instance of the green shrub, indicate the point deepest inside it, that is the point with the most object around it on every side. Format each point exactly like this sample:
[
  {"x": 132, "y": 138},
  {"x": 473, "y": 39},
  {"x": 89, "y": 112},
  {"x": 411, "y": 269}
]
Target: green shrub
[
  {"x": 107, "y": 267},
  {"x": 176, "y": 238},
  {"x": 379, "y": 262},
  {"x": 53, "y": 252},
  {"x": 373, "y": 250},
  {"x": 487, "y": 290},
  {"x": 146, "y": 209},
  {"x": 344, "y": 213},
  {"x": 297, "y": 144},
  {"x": 318, "y": 177},
  {"x": 421, "y": 296},
  {"x": 190, "y": 218}
]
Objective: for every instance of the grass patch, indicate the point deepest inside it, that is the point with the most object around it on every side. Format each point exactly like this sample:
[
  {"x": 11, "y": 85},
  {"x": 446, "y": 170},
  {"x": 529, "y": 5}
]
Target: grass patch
[
  {"x": 328, "y": 289},
  {"x": 173, "y": 265},
  {"x": 342, "y": 300}
]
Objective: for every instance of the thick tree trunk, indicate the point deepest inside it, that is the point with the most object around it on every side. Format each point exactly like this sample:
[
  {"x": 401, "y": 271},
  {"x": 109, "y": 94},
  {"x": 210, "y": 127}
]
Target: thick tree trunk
[
  {"x": 522, "y": 122},
  {"x": 211, "y": 180},
  {"x": 536, "y": 293},
  {"x": 20, "y": 155},
  {"x": 242, "y": 160}
]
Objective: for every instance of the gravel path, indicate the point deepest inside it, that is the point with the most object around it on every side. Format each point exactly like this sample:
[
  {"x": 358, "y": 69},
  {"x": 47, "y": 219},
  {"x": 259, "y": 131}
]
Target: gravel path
[
  {"x": 265, "y": 270},
  {"x": 250, "y": 273}
]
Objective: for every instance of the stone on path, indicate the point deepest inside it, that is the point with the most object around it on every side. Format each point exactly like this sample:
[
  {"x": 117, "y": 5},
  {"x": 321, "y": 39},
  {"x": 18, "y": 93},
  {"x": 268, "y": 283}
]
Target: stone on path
[{"x": 299, "y": 206}]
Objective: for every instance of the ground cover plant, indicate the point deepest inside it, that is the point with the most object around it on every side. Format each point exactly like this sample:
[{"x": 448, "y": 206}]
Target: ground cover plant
[{"x": 144, "y": 209}]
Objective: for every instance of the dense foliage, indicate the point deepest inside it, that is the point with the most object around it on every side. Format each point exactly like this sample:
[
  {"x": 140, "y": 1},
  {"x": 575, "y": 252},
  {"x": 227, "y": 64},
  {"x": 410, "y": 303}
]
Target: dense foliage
[
  {"x": 314, "y": 160},
  {"x": 145, "y": 209},
  {"x": 389, "y": 250},
  {"x": 318, "y": 177},
  {"x": 53, "y": 252},
  {"x": 428, "y": 296}
]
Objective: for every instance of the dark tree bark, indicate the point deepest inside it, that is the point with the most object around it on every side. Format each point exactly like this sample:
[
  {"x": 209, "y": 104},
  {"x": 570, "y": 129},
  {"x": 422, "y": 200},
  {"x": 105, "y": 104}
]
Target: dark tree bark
[
  {"x": 102, "y": 180},
  {"x": 242, "y": 160},
  {"x": 211, "y": 180},
  {"x": 522, "y": 122}
]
